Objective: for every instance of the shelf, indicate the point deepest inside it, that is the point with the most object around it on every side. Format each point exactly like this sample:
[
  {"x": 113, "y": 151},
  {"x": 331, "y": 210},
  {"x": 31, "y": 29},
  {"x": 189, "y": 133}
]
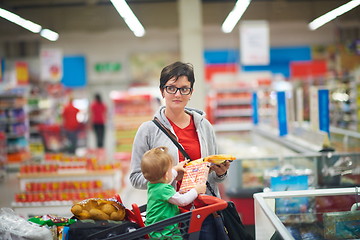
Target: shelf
[
  {"x": 68, "y": 174},
  {"x": 231, "y": 127},
  {"x": 232, "y": 103},
  {"x": 54, "y": 192},
  {"x": 233, "y": 113},
  {"x": 235, "y": 101},
  {"x": 58, "y": 208}
]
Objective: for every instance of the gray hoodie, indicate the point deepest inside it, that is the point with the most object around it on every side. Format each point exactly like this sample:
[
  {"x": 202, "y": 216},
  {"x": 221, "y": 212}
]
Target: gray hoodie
[{"x": 150, "y": 136}]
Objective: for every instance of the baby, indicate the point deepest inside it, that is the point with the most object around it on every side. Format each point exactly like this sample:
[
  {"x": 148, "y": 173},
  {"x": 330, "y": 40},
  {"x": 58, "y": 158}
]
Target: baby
[{"x": 163, "y": 200}]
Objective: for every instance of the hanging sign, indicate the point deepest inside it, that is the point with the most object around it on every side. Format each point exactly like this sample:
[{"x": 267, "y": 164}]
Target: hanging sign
[
  {"x": 22, "y": 73},
  {"x": 51, "y": 61},
  {"x": 282, "y": 119},
  {"x": 107, "y": 67},
  {"x": 254, "y": 43},
  {"x": 324, "y": 116},
  {"x": 255, "y": 108}
]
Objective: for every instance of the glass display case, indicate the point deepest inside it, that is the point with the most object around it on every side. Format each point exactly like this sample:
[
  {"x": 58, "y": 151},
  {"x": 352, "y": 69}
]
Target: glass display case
[
  {"x": 248, "y": 176},
  {"x": 325, "y": 214},
  {"x": 323, "y": 170}
]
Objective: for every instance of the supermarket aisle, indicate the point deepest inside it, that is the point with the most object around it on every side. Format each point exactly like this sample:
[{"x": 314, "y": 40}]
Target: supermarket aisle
[
  {"x": 9, "y": 185},
  {"x": 130, "y": 195}
]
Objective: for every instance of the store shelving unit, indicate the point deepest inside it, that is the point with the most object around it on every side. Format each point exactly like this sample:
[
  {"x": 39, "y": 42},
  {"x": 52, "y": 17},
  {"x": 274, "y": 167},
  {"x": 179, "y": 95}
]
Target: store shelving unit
[
  {"x": 2, "y": 155},
  {"x": 355, "y": 100},
  {"x": 53, "y": 186},
  {"x": 230, "y": 106},
  {"x": 130, "y": 110},
  {"x": 345, "y": 101},
  {"x": 39, "y": 113},
  {"x": 14, "y": 123}
]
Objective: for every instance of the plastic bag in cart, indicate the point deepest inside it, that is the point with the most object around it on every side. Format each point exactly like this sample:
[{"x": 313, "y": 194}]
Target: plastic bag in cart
[{"x": 14, "y": 227}]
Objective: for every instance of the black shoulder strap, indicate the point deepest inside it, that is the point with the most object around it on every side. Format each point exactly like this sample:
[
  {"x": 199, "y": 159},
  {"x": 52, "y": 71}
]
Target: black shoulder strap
[{"x": 162, "y": 128}]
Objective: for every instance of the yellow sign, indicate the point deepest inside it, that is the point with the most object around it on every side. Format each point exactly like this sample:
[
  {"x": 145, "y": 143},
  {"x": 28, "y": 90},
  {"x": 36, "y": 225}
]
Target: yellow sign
[{"x": 22, "y": 73}]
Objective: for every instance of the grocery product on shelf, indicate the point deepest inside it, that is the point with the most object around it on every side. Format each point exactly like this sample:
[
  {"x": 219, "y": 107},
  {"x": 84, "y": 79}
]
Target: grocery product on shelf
[
  {"x": 2, "y": 155},
  {"x": 14, "y": 123},
  {"x": 130, "y": 110},
  {"x": 232, "y": 103},
  {"x": 61, "y": 179}
]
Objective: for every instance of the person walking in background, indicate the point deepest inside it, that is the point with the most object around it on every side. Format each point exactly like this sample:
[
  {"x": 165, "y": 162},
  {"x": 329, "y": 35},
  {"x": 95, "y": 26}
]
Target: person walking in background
[
  {"x": 187, "y": 125},
  {"x": 98, "y": 111},
  {"x": 71, "y": 125}
]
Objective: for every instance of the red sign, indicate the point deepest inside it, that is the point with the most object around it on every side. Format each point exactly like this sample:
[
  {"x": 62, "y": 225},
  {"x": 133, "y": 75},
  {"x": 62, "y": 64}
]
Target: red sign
[
  {"x": 308, "y": 69},
  {"x": 212, "y": 69}
]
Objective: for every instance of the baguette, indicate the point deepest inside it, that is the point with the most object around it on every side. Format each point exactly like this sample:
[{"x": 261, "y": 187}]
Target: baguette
[
  {"x": 214, "y": 159},
  {"x": 220, "y": 158}
]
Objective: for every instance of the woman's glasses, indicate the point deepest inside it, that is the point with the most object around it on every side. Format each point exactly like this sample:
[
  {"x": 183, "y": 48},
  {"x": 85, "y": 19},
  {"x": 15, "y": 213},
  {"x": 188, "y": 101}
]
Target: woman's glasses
[{"x": 173, "y": 90}]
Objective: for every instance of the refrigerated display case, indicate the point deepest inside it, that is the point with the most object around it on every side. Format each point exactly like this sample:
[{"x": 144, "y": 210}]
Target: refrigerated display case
[
  {"x": 249, "y": 176},
  {"x": 328, "y": 214}
]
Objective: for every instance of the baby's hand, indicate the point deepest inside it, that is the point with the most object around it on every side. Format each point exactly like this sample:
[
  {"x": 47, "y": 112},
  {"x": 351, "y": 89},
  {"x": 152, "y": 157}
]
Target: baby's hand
[
  {"x": 179, "y": 168},
  {"x": 200, "y": 188}
]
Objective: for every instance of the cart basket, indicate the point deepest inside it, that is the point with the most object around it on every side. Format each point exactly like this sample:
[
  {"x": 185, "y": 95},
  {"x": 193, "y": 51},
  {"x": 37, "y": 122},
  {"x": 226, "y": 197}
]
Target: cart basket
[{"x": 189, "y": 222}]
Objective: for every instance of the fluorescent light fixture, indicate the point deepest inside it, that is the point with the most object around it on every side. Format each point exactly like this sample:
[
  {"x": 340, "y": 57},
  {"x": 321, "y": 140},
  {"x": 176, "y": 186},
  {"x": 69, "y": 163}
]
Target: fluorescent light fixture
[
  {"x": 327, "y": 17},
  {"x": 129, "y": 17},
  {"x": 235, "y": 15},
  {"x": 33, "y": 27},
  {"x": 50, "y": 35}
]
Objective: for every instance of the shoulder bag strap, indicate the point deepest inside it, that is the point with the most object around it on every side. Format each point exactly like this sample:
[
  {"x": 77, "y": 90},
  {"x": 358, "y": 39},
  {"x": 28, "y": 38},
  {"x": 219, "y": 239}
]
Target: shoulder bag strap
[{"x": 168, "y": 133}]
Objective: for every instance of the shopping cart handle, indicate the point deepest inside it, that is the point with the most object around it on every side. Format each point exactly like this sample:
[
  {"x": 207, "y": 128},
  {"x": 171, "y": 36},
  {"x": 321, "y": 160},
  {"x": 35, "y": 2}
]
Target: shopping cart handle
[{"x": 212, "y": 204}]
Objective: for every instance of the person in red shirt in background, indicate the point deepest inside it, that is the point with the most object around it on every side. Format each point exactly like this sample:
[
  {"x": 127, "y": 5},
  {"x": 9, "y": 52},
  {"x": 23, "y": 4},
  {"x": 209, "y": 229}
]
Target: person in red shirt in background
[
  {"x": 71, "y": 125},
  {"x": 98, "y": 111}
]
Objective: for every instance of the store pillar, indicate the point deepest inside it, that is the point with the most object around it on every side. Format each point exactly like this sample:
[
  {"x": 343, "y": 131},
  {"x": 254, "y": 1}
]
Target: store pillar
[{"x": 191, "y": 46}]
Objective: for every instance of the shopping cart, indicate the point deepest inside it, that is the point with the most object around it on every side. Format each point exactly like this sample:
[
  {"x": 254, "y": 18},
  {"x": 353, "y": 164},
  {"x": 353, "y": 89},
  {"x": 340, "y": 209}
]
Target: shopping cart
[
  {"x": 189, "y": 222},
  {"x": 52, "y": 137}
]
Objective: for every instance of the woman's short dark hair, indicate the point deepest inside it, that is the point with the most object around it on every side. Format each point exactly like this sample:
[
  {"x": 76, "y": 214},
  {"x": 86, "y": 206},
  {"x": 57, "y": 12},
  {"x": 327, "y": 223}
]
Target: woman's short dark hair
[{"x": 176, "y": 70}]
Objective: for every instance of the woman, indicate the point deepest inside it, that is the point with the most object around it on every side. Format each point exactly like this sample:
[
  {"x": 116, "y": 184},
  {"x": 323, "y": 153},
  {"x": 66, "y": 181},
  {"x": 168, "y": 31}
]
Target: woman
[
  {"x": 98, "y": 119},
  {"x": 192, "y": 130},
  {"x": 71, "y": 125}
]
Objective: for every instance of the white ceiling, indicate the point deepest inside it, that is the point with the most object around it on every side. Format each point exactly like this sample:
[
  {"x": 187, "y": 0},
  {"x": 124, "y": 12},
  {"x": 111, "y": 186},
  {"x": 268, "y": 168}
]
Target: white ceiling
[{"x": 98, "y": 15}]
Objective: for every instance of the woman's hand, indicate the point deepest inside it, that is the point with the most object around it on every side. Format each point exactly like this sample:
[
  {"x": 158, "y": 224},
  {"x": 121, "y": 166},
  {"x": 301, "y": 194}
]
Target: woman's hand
[{"x": 220, "y": 169}]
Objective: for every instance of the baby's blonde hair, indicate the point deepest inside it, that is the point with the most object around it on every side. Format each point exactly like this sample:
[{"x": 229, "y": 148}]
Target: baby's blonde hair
[{"x": 155, "y": 163}]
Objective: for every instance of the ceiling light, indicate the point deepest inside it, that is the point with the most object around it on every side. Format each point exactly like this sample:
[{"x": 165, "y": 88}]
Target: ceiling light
[
  {"x": 50, "y": 35},
  {"x": 129, "y": 17},
  {"x": 327, "y": 17},
  {"x": 33, "y": 27},
  {"x": 235, "y": 15}
]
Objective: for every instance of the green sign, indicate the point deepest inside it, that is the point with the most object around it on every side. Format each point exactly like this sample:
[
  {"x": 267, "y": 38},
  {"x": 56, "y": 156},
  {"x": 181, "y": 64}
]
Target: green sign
[{"x": 107, "y": 67}]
